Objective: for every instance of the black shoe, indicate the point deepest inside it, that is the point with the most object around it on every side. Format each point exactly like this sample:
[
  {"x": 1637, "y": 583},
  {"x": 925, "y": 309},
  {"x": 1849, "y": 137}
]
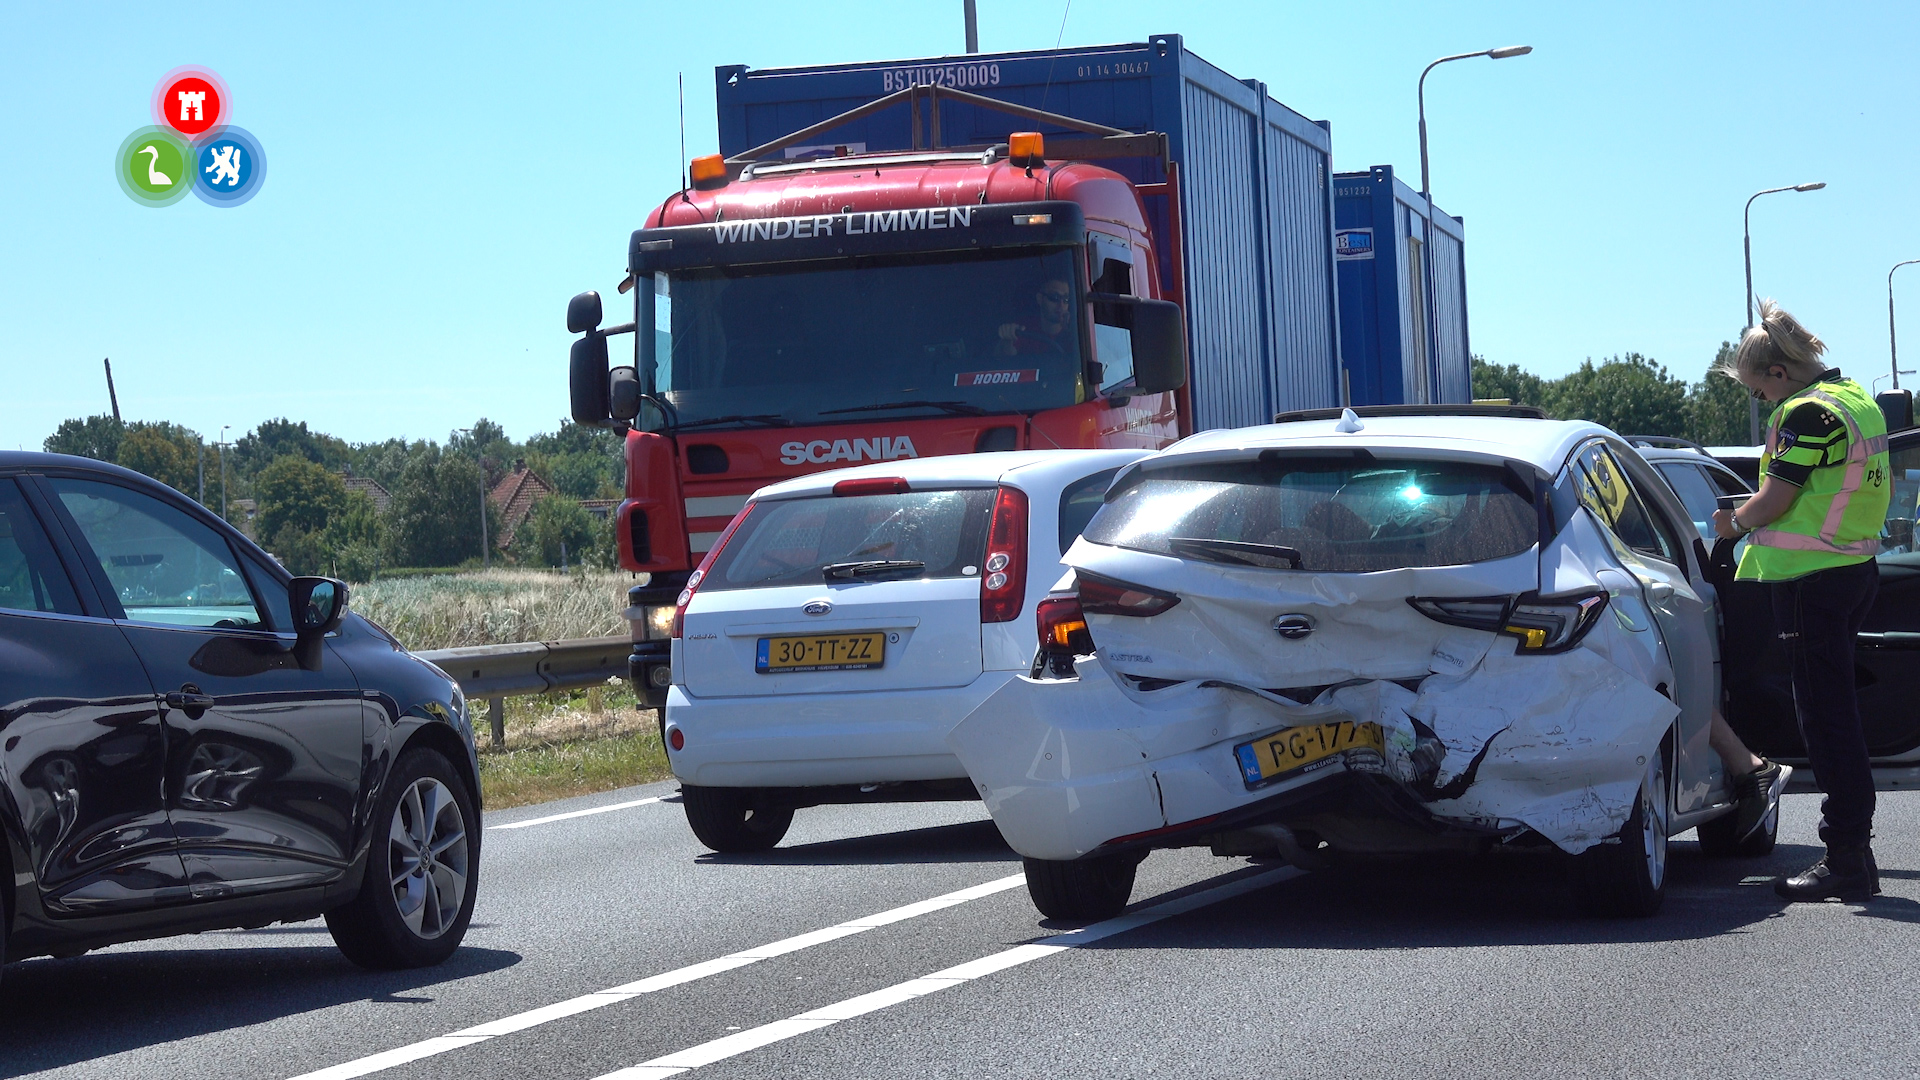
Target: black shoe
[
  {"x": 1758, "y": 794},
  {"x": 1846, "y": 875}
]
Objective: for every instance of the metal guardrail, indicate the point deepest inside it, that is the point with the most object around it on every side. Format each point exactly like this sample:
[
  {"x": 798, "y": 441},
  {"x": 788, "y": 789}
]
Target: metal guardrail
[{"x": 498, "y": 672}]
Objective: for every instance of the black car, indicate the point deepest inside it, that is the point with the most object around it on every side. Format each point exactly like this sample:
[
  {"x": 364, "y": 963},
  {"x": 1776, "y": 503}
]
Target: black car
[{"x": 191, "y": 740}]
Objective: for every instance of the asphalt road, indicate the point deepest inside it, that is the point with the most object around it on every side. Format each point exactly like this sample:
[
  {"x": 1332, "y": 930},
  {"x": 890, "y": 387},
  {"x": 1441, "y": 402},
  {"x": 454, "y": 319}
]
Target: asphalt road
[{"x": 907, "y": 947}]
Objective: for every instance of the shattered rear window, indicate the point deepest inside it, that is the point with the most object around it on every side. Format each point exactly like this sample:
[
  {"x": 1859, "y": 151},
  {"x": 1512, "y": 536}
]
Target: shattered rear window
[{"x": 1341, "y": 514}]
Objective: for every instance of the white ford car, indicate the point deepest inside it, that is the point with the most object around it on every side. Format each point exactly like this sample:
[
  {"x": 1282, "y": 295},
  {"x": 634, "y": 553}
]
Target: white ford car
[
  {"x": 845, "y": 621},
  {"x": 1368, "y": 634}
]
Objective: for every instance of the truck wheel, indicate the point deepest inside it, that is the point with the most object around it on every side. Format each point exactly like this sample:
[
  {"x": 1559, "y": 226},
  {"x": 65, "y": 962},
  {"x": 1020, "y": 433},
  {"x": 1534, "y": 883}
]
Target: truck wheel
[
  {"x": 1717, "y": 840},
  {"x": 422, "y": 870},
  {"x": 1082, "y": 890},
  {"x": 1626, "y": 877},
  {"x": 726, "y": 820}
]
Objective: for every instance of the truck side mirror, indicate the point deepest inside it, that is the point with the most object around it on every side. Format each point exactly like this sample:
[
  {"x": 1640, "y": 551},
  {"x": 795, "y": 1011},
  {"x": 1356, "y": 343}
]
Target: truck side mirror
[
  {"x": 623, "y": 393},
  {"x": 583, "y": 313},
  {"x": 1159, "y": 346},
  {"x": 587, "y": 381}
]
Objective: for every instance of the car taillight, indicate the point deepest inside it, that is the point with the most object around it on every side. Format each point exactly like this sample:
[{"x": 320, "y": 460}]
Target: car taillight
[
  {"x": 1105, "y": 596},
  {"x": 1063, "y": 635},
  {"x": 700, "y": 573},
  {"x": 1540, "y": 625},
  {"x": 1003, "y": 585}
]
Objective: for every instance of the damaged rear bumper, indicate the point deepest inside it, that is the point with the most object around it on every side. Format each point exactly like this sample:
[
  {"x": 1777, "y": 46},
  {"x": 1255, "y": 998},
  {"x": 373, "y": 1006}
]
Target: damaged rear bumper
[{"x": 1552, "y": 744}]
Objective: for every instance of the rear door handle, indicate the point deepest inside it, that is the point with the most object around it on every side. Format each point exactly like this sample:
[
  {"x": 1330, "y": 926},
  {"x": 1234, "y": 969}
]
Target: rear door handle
[{"x": 1660, "y": 591}]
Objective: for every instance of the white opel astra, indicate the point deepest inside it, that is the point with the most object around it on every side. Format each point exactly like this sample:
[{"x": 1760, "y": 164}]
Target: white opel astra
[
  {"x": 845, "y": 621},
  {"x": 1373, "y": 634}
]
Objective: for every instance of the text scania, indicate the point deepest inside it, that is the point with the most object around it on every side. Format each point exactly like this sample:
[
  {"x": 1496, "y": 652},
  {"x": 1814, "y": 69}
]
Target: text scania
[
  {"x": 820, "y": 451},
  {"x": 855, "y": 224}
]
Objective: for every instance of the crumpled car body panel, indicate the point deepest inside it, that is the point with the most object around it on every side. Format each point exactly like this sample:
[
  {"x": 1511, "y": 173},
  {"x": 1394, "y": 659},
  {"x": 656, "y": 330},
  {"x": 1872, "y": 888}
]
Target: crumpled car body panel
[{"x": 1552, "y": 743}]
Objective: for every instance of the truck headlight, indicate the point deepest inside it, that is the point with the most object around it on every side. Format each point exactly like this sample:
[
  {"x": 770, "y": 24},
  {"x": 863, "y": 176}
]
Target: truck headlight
[{"x": 659, "y": 622}]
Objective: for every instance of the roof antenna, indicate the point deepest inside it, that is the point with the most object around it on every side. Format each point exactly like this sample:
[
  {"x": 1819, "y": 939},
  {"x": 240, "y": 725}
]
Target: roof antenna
[
  {"x": 683, "y": 137},
  {"x": 111, "y": 396},
  {"x": 1349, "y": 422},
  {"x": 1056, "y": 55}
]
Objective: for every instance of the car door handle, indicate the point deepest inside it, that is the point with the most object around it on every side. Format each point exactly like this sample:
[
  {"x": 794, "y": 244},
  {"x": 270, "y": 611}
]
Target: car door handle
[
  {"x": 188, "y": 699},
  {"x": 1659, "y": 591}
]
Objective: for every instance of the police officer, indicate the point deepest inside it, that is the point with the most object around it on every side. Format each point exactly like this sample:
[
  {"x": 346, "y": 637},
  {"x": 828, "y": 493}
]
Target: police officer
[{"x": 1813, "y": 530}]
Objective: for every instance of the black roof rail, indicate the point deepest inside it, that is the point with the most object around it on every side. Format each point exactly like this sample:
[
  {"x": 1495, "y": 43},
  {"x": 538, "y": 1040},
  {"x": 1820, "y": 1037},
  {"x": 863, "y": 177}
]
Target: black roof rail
[
  {"x": 1665, "y": 442},
  {"x": 1523, "y": 412}
]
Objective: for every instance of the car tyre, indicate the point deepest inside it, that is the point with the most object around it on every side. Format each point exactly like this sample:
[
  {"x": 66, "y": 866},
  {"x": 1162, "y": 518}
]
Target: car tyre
[
  {"x": 413, "y": 911},
  {"x": 1717, "y": 840},
  {"x": 1626, "y": 876},
  {"x": 726, "y": 819},
  {"x": 1081, "y": 890}
]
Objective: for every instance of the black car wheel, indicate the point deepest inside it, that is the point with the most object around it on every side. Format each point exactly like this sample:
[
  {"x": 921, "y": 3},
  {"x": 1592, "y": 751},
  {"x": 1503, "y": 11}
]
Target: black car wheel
[
  {"x": 726, "y": 819},
  {"x": 1083, "y": 890},
  {"x": 1625, "y": 876},
  {"x": 417, "y": 896}
]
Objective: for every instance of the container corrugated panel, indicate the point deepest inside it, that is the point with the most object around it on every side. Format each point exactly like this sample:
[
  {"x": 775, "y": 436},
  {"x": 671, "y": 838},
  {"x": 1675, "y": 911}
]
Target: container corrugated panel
[
  {"x": 1257, "y": 213},
  {"x": 1381, "y": 231}
]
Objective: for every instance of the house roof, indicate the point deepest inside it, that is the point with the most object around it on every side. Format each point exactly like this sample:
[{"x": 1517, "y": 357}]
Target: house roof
[
  {"x": 370, "y": 487},
  {"x": 515, "y": 495}
]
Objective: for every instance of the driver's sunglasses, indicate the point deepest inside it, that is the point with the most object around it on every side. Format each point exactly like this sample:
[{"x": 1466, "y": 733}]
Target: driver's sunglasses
[{"x": 1056, "y": 297}]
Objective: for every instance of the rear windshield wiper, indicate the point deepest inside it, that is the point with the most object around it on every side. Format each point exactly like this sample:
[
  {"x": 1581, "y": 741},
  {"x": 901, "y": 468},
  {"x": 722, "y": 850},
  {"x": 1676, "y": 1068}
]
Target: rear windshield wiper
[
  {"x": 769, "y": 419},
  {"x": 873, "y": 568},
  {"x": 959, "y": 407},
  {"x": 1235, "y": 551}
]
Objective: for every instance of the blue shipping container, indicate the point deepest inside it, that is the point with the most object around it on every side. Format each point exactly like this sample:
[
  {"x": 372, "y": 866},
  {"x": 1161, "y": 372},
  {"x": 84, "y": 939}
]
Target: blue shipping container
[
  {"x": 1257, "y": 209},
  {"x": 1397, "y": 347}
]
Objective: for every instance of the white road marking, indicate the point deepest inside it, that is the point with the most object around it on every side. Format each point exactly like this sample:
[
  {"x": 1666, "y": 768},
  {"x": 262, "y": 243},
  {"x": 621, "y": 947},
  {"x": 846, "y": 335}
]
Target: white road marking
[
  {"x": 574, "y": 814},
  {"x": 572, "y": 1006},
  {"x": 753, "y": 1038}
]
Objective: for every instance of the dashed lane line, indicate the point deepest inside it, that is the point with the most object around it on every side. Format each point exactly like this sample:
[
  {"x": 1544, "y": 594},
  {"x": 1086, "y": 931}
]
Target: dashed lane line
[
  {"x": 586, "y": 1002},
  {"x": 753, "y": 1038},
  {"x": 574, "y": 814}
]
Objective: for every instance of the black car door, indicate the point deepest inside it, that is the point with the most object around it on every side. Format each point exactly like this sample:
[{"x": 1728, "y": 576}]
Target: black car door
[
  {"x": 1888, "y": 660},
  {"x": 263, "y": 756},
  {"x": 82, "y": 751}
]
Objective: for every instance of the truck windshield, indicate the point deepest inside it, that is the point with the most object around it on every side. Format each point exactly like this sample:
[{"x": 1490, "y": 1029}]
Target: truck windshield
[{"x": 871, "y": 338}]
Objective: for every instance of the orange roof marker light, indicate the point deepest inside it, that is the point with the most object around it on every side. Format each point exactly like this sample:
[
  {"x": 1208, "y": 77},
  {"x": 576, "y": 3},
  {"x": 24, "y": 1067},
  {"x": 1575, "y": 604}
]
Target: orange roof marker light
[
  {"x": 1027, "y": 149},
  {"x": 707, "y": 169}
]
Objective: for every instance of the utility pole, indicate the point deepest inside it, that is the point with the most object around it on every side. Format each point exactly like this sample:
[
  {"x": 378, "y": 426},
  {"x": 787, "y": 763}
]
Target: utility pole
[
  {"x": 111, "y": 396},
  {"x": 200, "y": 466},
  {"x": 973, "y": 28}
]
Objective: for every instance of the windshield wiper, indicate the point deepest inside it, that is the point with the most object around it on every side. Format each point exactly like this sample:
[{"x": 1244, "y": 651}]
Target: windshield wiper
[
  {"x": 769, "y": 419},
  {"x": 1235, "y": 551},
  {"x": 960, "y": 408},
  {"x": 849, "y": 571}
]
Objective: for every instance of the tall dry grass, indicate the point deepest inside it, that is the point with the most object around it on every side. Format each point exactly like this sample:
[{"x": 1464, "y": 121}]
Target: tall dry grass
[{"x": 488, "y": 607}]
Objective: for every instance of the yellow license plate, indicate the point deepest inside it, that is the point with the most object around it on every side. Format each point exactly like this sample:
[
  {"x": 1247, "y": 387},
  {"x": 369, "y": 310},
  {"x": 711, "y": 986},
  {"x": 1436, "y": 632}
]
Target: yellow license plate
[
  {"x": 820, "y": 652},
  {"x": 1292, "y": 749}
]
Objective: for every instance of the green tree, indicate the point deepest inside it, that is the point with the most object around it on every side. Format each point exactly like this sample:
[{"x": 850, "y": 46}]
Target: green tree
[
  {"x": 1632, "y": 395},
  {"x": 557, "y": 523},
  {"x": 275, "y": 439},
  {"x": 97, "y": 437},
  {"x": 1717, "y": 407},
  {"x": 295, "y": 493},
  {"x": 166, "y": 452},
  {"x": 1509, "y": 382},
  {"x": 355, "y": 538},
  {"x": 435, "y": 516}
]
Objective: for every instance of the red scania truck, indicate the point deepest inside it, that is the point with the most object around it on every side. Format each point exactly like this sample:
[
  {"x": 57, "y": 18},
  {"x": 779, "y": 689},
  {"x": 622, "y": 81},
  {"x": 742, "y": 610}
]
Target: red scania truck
[{"x": 1100, "y": 247}]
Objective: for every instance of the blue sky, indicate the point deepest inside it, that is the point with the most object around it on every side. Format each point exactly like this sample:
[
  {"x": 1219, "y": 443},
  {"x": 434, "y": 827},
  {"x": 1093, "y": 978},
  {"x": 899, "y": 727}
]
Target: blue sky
[{"x": 443, "y": 177}]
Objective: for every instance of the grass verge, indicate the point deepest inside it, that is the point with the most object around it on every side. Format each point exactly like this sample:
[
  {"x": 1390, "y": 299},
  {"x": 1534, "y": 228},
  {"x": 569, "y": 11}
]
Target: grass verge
[
  {"x": 534, "y": 774},
  {"x": 567, "y": 744}
]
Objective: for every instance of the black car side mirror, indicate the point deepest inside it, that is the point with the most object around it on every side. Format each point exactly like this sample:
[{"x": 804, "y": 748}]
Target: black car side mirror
[{"x": 318, "y": 605}]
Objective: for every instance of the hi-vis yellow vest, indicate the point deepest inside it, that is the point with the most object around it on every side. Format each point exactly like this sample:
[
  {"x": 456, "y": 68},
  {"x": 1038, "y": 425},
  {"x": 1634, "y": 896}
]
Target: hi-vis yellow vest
[{"x": 1837, "y": 518}]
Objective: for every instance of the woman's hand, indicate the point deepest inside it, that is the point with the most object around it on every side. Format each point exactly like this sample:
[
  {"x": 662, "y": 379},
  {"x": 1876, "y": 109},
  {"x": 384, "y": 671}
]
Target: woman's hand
[{"x": 1724, "y": 526}]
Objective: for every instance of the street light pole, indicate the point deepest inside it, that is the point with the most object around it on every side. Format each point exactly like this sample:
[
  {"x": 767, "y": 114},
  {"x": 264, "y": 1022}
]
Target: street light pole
[
  {"x": 1746, "y": 247},
  {"x": 223, "y": 471},
  {"x": 1893, "y": 346},
  {"x": 1426, "y": 196},
  {"x": 973, "y": 28}
]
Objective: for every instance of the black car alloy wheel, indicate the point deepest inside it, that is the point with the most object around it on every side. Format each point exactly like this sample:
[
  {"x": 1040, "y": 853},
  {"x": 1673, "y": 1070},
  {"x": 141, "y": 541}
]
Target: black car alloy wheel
[{"x": 422, "y": 867}]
